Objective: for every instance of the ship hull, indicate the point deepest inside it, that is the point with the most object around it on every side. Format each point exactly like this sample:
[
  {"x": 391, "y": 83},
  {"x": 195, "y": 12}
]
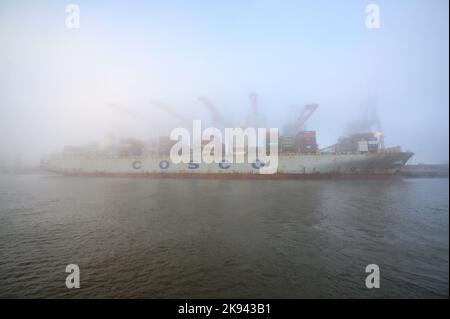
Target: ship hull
[{"x": 289, "y": 166}]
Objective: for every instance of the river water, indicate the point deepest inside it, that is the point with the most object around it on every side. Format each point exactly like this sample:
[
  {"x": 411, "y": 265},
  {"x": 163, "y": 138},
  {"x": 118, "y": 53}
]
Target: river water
[{"x": 190, "y": 238}]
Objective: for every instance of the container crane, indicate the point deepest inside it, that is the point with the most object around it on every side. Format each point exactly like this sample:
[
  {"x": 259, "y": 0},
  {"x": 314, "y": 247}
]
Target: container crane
[
  {"x": 300, "y": 124},
  {"x": 215, "y": 114},
  {"x": 169, "y": 110},
  {"x": 369, "y": 122}
]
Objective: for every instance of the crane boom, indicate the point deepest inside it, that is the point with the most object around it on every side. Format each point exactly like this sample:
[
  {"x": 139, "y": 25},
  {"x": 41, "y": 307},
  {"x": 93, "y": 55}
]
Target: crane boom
[
  {"x": 216, "y": 116},
  {"x": 299, "y": 124},
  {"x": 306, "y": 113},
  {"x": 163, "y": 106}
]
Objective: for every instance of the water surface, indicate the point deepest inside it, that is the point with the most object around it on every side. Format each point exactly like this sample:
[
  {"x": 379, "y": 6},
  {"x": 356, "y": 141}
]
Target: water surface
[{"x": 185, "y": 238}]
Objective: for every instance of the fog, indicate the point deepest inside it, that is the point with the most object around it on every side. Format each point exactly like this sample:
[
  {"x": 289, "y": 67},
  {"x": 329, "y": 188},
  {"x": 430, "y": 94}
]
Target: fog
[{"x": 57, "y": 84}]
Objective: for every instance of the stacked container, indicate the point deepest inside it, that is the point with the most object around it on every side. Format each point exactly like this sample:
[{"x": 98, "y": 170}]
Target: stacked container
[
  {"x": 130, "y": 147},
  {"x": 306, "y": 141},
  {"x": 288, "y": 144},
  {"x": 373, "y": 146},
  {"x": 164, "y": 145},
  {"x": 363, "y": 146},
  {"x": 360, "y": 142}
]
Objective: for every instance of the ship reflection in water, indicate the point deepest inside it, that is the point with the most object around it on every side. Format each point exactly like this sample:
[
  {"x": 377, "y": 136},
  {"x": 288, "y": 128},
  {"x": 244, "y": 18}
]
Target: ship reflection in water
[{"x": 185, "y": 238}]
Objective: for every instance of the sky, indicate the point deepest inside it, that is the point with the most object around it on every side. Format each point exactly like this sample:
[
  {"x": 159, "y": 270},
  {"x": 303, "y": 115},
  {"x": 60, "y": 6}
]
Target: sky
[{"x": 56, "y": 82}]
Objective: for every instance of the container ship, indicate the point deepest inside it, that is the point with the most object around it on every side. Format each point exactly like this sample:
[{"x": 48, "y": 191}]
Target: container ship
[{"x": 359, "y": 154}]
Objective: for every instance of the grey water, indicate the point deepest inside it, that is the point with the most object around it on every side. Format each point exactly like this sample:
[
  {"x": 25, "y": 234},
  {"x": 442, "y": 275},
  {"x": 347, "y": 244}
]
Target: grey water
[{"x": 189, "y": 238}]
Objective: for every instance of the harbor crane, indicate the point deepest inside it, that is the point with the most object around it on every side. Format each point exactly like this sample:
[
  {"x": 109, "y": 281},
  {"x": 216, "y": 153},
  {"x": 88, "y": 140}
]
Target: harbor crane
[
  {"x": 169, "y": 110},
  {"x": 300, "y": 123},
  {"x": 215, "y": 114},
  {"x": 369, "y": 121}
]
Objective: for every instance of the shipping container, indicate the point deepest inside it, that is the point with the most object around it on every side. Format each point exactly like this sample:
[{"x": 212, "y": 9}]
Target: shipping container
[
  {"x": 306, "y": 142},
  {"x": 288, "y": 143},
  {"x": 373, "y": 146},
  {"x": 124, "y": 149},
  {"x": 363, "y": 146},
  {"x": 369, "y": 136}
]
